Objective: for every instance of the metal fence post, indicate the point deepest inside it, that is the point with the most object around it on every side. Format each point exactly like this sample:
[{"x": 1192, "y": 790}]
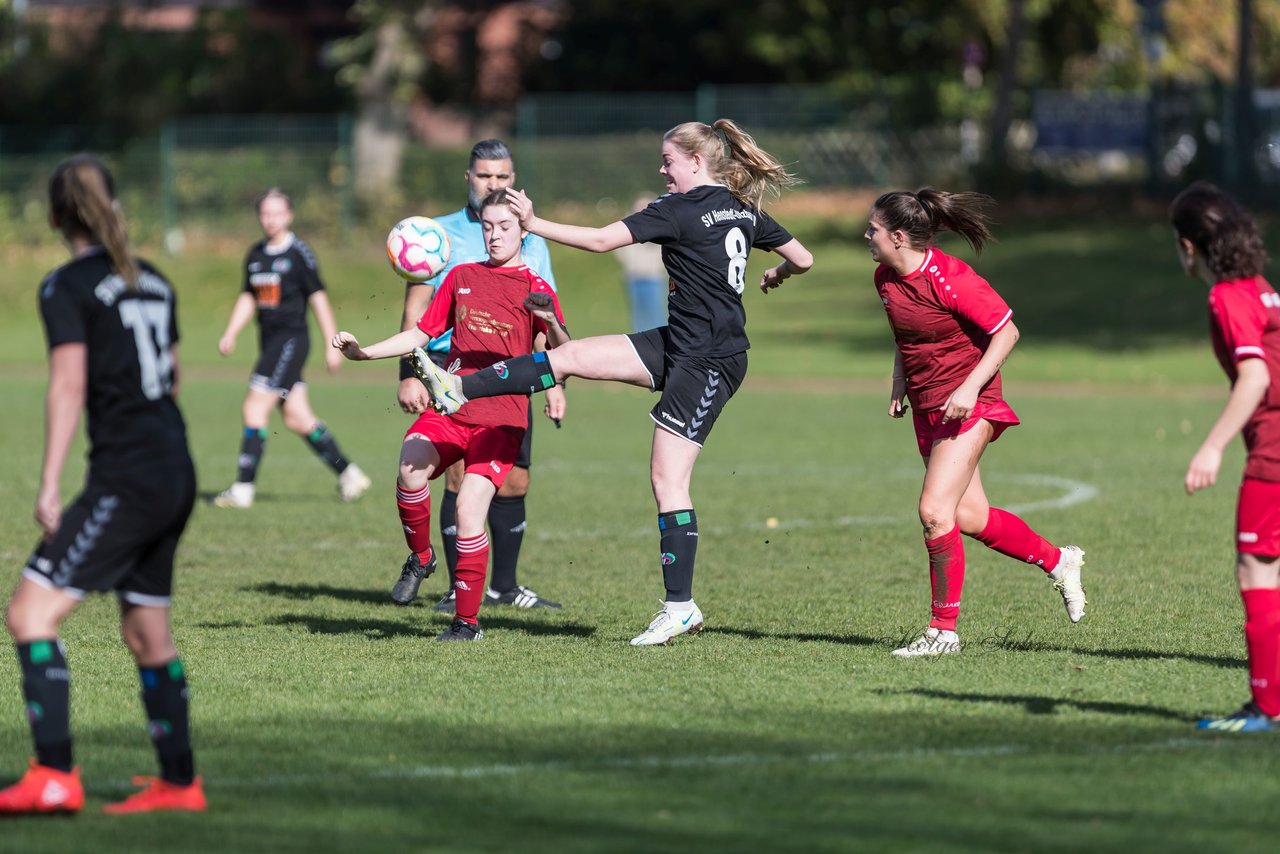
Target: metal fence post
[
  {"x": 527, "y": 138},
  {"x": 346, "y": 170},
  {"x": 168, "y": 201},
  {"x": 704, "y": 104}
]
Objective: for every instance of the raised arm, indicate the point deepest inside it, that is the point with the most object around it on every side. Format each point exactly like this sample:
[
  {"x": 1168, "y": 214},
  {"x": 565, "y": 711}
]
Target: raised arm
[
  {"x": 795, "y": 261},
  {"x": 604, "y": 239},
  {"x": 400, "y": 344}
]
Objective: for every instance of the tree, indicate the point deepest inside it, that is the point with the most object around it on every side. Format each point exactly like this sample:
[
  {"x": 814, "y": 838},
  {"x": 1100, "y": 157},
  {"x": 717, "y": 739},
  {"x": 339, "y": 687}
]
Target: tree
[{"x": 383, "y": 64}]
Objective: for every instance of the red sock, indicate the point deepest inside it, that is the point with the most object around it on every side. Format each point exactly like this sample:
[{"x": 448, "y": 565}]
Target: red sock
[
  {"x": 946, "y": 576},
  {"x": 1009, "y": 535},
  {"x": 473, "y": 560},
  {"x": 415, "y": 519},
  {"x": 1262, "y": 638}
]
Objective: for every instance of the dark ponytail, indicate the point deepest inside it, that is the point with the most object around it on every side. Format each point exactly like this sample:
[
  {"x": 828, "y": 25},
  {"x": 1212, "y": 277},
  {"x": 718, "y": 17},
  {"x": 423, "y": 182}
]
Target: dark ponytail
[
  {"x": 921, "y": 215},
  {"x": 82, "y": 199},
  {"x": 1220, "y": 230}
]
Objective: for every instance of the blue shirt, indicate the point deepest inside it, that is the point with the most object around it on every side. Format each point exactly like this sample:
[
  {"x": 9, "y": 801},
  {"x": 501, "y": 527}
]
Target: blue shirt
[{"x": 466, "y": 246}]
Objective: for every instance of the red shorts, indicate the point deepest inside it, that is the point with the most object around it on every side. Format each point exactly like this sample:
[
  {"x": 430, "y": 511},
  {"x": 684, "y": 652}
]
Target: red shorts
[
  {"x": 1258, "y": 518},
  {"x": 487, "y": 451},
  {"x": 930, "y": 427}
]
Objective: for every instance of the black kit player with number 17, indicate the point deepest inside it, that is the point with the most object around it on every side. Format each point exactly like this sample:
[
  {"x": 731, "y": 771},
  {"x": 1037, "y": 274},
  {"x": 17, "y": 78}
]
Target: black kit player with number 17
[{"x": 113, "y": 336}]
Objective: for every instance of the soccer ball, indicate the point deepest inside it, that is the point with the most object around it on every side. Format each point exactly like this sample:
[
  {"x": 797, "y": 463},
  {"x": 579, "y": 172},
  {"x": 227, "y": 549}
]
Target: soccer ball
[{"x": 418, "y": 248}]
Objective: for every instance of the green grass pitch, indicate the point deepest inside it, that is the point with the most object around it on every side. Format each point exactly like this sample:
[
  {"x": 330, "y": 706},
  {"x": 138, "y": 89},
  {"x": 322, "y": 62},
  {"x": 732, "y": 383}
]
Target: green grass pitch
[{"x": 326, "y": 718}]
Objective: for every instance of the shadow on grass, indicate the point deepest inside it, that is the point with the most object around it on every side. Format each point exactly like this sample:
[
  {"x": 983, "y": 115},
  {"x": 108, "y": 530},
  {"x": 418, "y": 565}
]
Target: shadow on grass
[
  {"x": 755, "y": 634},
  {"x": 375, "y": 629},
  {"x": 306, "y": 592},
  {"x": 1037, "y": 705},
  {"x": 1005, "y": 639},
  {"x": 371, "y": 629}
]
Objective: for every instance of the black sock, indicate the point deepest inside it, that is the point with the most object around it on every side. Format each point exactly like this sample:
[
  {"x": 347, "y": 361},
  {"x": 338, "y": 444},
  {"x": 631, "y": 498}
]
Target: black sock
[
  {"x": 521, "y": 375},
  {"x": 679, "y": 532},
  {"x": 251, "y": 448},
  {"x": 506, "y": 533},
  {"x": 46, "y": 685},
  {"x": 164, "y": 696},
  {"x": 449, "y": 533},
  {"x": 326, "y": 447}
]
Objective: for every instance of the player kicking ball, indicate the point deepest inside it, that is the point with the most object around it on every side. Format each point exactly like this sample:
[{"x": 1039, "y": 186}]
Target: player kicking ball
[{"x": 497, "y": 309}]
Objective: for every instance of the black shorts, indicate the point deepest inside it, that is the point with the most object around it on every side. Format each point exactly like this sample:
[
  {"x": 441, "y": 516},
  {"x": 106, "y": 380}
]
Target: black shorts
[
  {"x": 119, "y": 534},
  {"x": 279, "y": 367},
  {"x": 525, "y": 457},
  {"x": 694, "y": 389}
]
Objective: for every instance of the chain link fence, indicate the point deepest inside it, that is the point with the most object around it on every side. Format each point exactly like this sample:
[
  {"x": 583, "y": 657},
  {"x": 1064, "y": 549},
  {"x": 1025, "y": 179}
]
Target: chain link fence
[{"x": 599, "y": 151}]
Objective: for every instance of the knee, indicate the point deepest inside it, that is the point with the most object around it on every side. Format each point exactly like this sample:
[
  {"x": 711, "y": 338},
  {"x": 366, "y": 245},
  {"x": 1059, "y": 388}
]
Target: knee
[
  {"x": 300, "y": 424},
  {"x": 412, "y": 476},
  {"x": 15, "y": 620},
  {"x": 25, "y": 624},
  {"x": 149, "y": 649},
  {"x": 1253, "y": 572},
  {"x": 935, "y": 520}
]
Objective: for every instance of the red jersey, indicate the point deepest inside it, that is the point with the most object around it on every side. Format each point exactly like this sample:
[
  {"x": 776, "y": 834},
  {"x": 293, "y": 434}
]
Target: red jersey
[
  {"x": 1244, "y": 322},
  {"x": 943, "y": 316},
  {"x": 484, "y": 305}
]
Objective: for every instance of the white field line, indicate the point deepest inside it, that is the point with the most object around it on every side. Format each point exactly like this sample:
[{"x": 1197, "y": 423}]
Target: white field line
[{"x": 730, "y": 760}]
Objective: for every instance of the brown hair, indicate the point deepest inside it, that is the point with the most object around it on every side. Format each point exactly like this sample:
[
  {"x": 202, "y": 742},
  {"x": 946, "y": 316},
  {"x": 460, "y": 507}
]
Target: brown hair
[
  {"x": 922, "y": 214},
  {"x": 82, "y": 200},
  {"x": 1220, "y": 230},
  {"x": 273, "y": 193},
  {"x": 733, "y": 157}
]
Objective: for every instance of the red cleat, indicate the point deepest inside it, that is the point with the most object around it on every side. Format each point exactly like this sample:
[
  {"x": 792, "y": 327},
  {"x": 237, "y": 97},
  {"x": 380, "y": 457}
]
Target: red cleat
[
  {"x": 160, "y": 795},
  {"x": 43, "y": 790}
]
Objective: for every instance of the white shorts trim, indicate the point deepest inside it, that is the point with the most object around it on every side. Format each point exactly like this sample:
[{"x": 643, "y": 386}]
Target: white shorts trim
[
  {"x": 673, "y": 432},
  {"x": 45, "y": 582},
  {"x": 143, "y": 599},
  {"x": 653, "y": 384}
]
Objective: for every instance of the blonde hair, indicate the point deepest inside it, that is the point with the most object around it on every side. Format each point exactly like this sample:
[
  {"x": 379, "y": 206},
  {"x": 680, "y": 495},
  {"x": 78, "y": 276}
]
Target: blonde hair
[
  {"x": 82, "y": 199},
  {"x": 733, "y": 157}
]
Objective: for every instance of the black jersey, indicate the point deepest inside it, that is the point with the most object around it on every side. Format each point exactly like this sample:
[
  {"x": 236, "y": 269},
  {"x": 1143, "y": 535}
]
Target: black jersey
[
  {"x": 280, "y": 282},
  {"x": 133, "y": 419},
  {"x": 705, "y": 236}
]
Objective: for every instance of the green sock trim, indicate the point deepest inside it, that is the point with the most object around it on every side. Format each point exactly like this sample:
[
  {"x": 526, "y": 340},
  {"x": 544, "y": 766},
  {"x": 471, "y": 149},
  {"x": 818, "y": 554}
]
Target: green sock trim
[
  {"x": 176, "y": 670},
  {"x": 41, "y": 651}
]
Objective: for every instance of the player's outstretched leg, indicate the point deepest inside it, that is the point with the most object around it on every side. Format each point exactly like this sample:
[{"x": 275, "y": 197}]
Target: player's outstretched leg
[
  {"x": 444, "y": 387},
  {"x": 1066, "y": 580}
]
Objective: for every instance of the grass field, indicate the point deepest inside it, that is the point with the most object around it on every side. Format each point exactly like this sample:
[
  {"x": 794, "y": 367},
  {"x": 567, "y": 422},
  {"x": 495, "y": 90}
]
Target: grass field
[{"x": 326, "y": 718}]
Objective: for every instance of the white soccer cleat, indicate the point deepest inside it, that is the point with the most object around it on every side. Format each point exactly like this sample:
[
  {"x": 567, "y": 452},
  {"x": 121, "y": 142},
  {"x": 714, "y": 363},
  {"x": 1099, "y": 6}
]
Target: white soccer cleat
[
  {"x": 445, "y": 387},
  {"x": 668, "y": 624},
  {"x": 932, "y": 642},
  {"x": 1067, "y": 582},
  {"x": 238, "y": 495},
  {"x": 352, "y": 483}
]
